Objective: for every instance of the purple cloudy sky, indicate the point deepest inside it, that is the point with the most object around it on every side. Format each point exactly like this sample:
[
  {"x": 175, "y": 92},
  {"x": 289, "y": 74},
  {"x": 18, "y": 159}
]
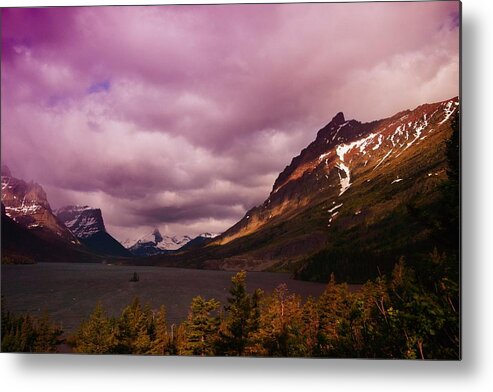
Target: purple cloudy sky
[{"x": 181, "y": 117}]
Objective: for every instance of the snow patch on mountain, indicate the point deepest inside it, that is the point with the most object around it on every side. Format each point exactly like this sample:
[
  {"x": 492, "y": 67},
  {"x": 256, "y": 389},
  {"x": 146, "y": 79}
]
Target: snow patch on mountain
[
  {"x": 345, "y": 148},
  {"x": 335, "y": 208},
  {"x": 155, "y": 243},
  {"x": 82, "y": 221},
  {"x": 208, "y": 235},
  {"x": 24, "y": 209},
  {"x": 361, "y": 144},
  {"x": 337, "y": 130},
  {"x": 418, "y": 130},
  {"x": 27, "y": 204},
  {"x": 341, "y": 151},
  {"x": 449, "y": 110},
  {"x": 345, "y": 180},
  {"x": 383, "y": 159},
  {"x": 377, "y": 146},
  {"x": 395, "y": 137}
]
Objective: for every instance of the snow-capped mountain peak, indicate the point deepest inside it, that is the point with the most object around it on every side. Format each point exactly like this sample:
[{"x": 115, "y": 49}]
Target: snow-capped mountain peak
[
  {"x": 208, "y": 235},
  {"x": 395, "y": 158},
  {"x": 27, "y": 204},
  {"x": 87, "y": 224},
  {"x": 155, "y": 243},
  {"x": 83, "y": 221}
]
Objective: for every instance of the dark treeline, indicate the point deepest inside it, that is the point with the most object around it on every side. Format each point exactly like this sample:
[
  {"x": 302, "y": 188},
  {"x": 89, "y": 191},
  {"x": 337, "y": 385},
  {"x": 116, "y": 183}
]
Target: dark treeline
[
  {"x": 399, "y": 316},
  {"x": 29, "y": 334}
]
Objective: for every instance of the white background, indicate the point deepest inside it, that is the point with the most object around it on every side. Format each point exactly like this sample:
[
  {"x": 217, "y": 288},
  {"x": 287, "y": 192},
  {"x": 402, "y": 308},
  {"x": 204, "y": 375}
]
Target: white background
[{"x": 473, "y": 373}]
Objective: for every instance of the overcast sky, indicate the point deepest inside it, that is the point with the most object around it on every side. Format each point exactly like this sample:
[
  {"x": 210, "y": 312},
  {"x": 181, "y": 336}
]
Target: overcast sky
[{"x": 181, "y": 117}]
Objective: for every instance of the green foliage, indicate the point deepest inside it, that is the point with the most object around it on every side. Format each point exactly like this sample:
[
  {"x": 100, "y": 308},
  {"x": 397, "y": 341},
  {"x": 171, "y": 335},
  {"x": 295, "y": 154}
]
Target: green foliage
[
  {"x": 350, "y": 264},
  {"x": 201, "y": 328},
  {"x": 160, "y": 343},
  {"x": 281, "y": 326},
  {"x": 138, "y": 330},
  {"x": 429, "y": 318},
  {"x": 134, "y": 329},
  {"x": 29, "y": 334},
  {"x": 242, "y": 318},
  {"x": 97, "y": 334}
]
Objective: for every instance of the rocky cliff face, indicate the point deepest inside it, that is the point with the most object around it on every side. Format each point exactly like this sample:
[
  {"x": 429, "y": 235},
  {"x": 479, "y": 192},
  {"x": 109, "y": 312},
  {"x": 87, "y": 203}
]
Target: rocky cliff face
[
  {"x": 355, "y": 187},
  {"x": 26, "y": 203},
  {"x": 87, "y": 225},
  {"x": 349, "y": 154},
  {"x": 30, "y": 230},
  {"x": 83, "y": 221}
]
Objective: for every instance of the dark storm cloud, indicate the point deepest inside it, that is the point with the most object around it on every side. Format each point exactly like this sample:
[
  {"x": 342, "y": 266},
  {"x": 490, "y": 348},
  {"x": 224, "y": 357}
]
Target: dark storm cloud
[{"x": 185, "y": 214}]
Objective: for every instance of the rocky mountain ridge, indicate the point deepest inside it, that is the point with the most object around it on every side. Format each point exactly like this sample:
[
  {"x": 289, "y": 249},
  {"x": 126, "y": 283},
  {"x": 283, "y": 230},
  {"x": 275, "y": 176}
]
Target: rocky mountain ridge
[
  {"x": 87, "y": 225},
  {"x": 27, "y": 204},
  {"x": 154, "y": 243},
  {"x": 355, "y": 193},
  {"x": 343, "y": 152},
  {"x": 355, "y": 199}
]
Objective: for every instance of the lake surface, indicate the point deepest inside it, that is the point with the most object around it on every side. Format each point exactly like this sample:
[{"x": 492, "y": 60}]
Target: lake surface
[{"x": 70, "y": 291}]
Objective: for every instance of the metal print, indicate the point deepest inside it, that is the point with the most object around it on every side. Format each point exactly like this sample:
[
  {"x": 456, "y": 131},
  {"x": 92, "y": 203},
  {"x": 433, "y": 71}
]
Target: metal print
[{"x": 271, "y": 180}]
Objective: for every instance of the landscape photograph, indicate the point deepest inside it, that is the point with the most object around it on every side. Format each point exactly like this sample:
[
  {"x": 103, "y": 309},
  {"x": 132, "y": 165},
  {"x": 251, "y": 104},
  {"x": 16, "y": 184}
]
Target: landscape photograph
[{"x": 256, "y": 180}]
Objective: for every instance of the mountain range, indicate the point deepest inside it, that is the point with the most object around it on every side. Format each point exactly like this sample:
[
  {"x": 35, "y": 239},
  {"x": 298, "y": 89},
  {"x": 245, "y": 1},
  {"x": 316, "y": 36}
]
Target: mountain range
[
  {"x": 87, "y": 225},
  {"x": 155, "y": 243},
  {"x": 31, "y": 232},
  {"x": 352, "y": 202},
  {"x": 27, "y": 205},
  {"x": 353, "y": 197},
  {"x": 78, "y": 233}
]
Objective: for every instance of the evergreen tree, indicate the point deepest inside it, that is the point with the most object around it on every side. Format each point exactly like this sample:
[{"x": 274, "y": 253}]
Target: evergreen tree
[
  {"x": 25, "y": 333},
  {"x": 427, "y": 318},
  {"x": 310, "y": 326},
  {"x": 134, "y": 327},
  {"x": 201, "y": 328},
  {"x": 97, "y": 334},
  {"x": 242, "y": 317},
  {"x": 333, "y": 311},
  {"x": 178, "y": 339},
  {"x": 160, "y": 344},
  {"x": 281, "y": 326},
  {"x": 47, "y": 335},
  {"x": 145, "y": 329}
]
